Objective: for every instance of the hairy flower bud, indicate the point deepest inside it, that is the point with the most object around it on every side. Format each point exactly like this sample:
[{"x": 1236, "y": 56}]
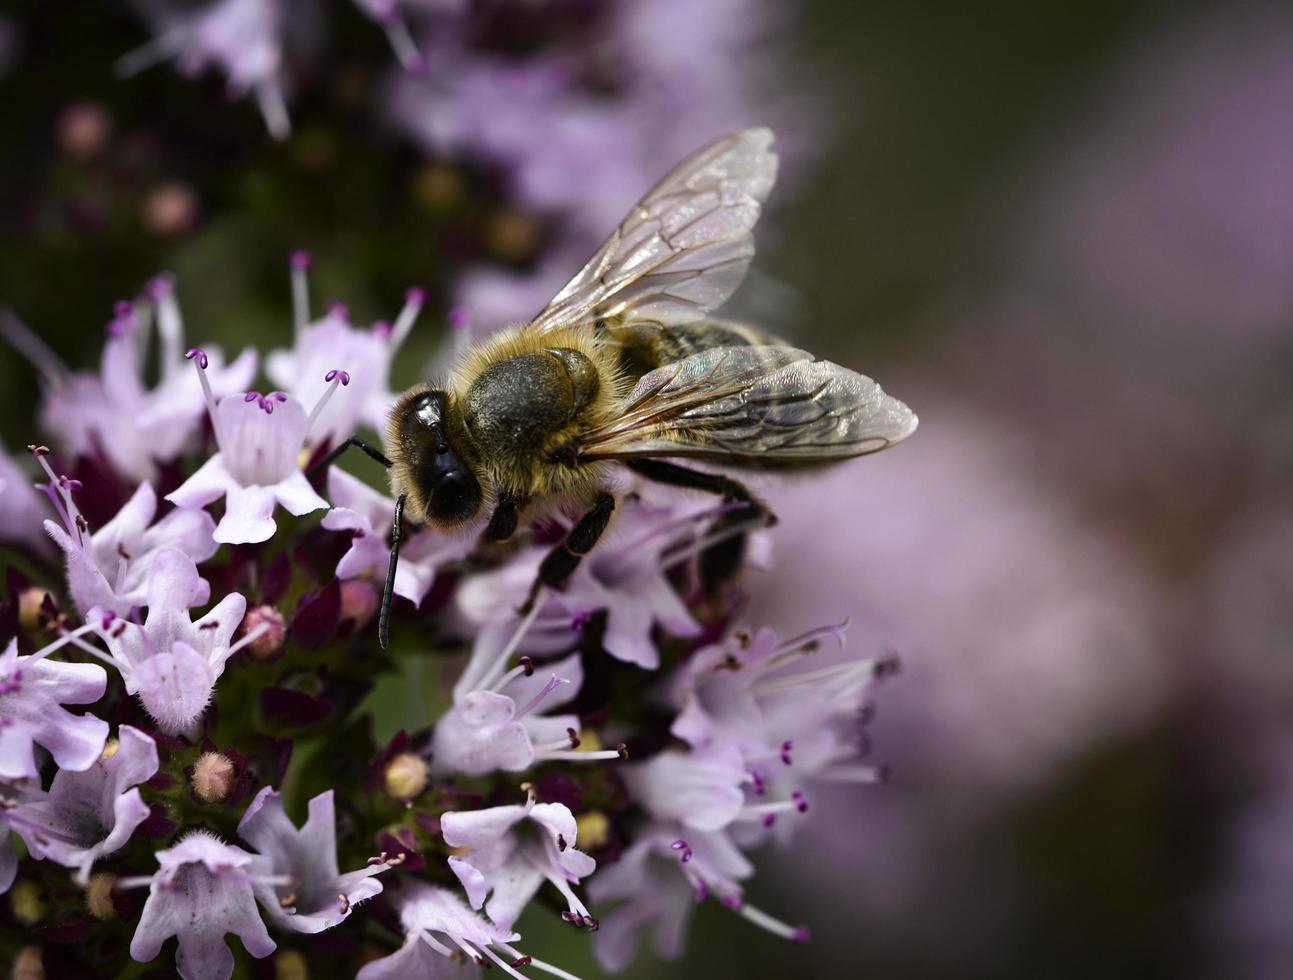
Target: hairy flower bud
[
  {"x": 213, "y": 777},
  {"x": 406, "y": 776},
  {"x": 270, "y": 641}
]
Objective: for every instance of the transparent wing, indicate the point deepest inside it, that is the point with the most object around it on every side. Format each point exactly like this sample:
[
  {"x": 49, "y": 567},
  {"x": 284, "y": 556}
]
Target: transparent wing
[
  {"x": 770, "y": 405},
  {"x": 684, "y": 248}
]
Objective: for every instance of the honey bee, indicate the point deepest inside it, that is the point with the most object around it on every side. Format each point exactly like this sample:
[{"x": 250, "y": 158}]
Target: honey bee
[{"x": 625, "y": 366}]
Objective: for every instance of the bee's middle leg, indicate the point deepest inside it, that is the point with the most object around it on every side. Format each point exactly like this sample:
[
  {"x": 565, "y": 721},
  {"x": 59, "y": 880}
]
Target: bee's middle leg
[
  {"x": 720, "y": 561},
  {"x": 560, "y": 563}
]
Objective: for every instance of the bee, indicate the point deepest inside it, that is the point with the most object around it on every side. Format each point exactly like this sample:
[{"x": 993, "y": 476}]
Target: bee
[{"x": 626, "y": 367}]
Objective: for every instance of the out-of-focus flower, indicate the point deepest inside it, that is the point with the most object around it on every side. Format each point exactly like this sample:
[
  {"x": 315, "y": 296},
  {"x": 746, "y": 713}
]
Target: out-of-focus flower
[
  {"x": 109, "y": 569},
  {"x": 22, "y": 509},
  {"x": 243, "y": 38},
  {"x": 299, "y": 886},
  {"x": 258, "y": 465},
  {"x": 331, "y": 340},
  {"x": 88, "y": 814},
  {"x": 33, "y": 691},
  {"x": 545, "y": 117},
  {"x": 115, "y": 412},
  {"x": 437, "y": 924},
  {"x": 511, "y": 851},
  {"x": 367, "y": 515},
  {"x": 171, "y": 209},
  {"x": 171, "y": 661},
  {"x": 83, "y": 129},
  {"x": 202, "y": 890}
]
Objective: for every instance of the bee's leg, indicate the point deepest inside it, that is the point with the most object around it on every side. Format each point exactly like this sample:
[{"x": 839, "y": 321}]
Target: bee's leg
[
  {"x": 719, "y": 562},
  {"x": 388, "y": 590},
  {"x": 340, "y": 450},
  {"x": 560, "y": 563},
  {"x": 502, "y": 524}
]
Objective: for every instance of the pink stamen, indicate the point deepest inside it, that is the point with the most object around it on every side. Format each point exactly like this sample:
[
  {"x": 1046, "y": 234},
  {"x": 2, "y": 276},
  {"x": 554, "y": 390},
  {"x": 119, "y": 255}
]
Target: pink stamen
[
  {"x": 413, "y": 302},
  {"x": 300, "y": 262}
]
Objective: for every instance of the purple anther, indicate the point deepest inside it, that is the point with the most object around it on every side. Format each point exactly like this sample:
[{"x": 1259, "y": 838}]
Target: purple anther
[
  {"x": 769, "y": 819},
  {"x": 300, "y": 259},
  {"x": 416, "y": 294},
  {"x": 38, "y": 451},
  {"x": 252, "y": 396},
  {"x": 459, "y": 318},
  {"x": 338, "y": 309},
  {"x": 200, "y": 354},
  {"x": 684, "y": 847},
  {"x": 338, "y": 373},
  {"x": 801, "y": 804},
  {"x": 786, "y": 746},
  {"x": 381, "y": 329},
  {"x": 67, "y": 483},
  {"x": 801, "y": 935}
]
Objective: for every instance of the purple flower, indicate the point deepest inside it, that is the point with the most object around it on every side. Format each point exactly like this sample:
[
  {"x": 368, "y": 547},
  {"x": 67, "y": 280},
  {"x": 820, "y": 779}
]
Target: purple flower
[
  {"x": 299, "y": 886},
  {"x": 367, "y": 515},
  {"x": 332, "y": 340},
  {"x": 108, "y": 569},
  {"x": 437, "y": 924},
  {"x": 240, "y": 37},
  {"x": 487, "y": 729},
  {"x": 701, "y": 788},
  {"x": 258, "y": 465},
  {"x": 656, "y": 884},
  {"x": 33, "y": 691},
  {"x": 171, "y": 661},
  {"x": 512, "y": 850},
  {"x": 91, "y": 813},
  {"x": 789, "y": 725},
  {"x": 202, "y": 890},
  {"x": 116, "y": 412}
]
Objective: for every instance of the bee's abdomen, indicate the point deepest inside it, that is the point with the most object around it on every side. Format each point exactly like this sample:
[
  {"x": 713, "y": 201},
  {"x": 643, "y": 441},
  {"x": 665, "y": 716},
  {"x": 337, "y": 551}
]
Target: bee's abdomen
[{"x": 647, "y": 346}]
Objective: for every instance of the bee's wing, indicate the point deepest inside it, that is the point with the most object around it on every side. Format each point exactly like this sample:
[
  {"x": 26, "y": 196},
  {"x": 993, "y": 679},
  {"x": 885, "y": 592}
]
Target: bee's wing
[
  {"x": 684, "y": 248},
  {"x": 766, "y": 404}
]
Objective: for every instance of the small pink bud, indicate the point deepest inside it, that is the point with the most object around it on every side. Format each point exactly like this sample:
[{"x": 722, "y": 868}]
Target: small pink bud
[
  {"x": 359, "y": 602},
  {"x": 270, "y": 641},
  {"x": 213, "y": 777}
]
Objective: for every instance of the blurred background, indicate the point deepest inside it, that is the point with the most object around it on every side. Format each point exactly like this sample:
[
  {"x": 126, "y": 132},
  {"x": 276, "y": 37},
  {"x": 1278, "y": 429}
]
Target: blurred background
[{"x": 1062, "y": 232}]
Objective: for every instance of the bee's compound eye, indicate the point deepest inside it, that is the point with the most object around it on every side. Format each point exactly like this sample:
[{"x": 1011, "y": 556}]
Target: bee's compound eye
[{"x": 454, "y": 493}]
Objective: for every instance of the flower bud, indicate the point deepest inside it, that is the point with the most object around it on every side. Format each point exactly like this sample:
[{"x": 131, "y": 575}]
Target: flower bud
[
  {"x": 406, "y": 776},
  {"x": 83, "y": 129},
  {"x": 29, "y": 603},
  {"x": 593, "y": 830},
  {"x": 171, "y": 209},
  {"x": 359, "y": 602},
  {"x": 289, "y": 964},
  {"x": 98, "y": 896},
  {"x": 29, "y": 964},
  {"x": 213, "y": 777},
  {"x": 270, "y": 641},
  {"x": 24, "y": 898}
]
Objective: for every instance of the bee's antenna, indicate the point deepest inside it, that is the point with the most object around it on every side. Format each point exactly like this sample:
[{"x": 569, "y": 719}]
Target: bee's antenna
[
  {"x": 388, "y": 591},
  {"x": 358, "y": 444}
]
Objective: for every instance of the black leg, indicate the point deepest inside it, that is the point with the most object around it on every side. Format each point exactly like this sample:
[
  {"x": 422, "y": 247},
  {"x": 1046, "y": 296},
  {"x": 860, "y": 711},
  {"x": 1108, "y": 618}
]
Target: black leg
[
  {"x": 502, "y": 525},
  {"x": 358, "y": 444},
  {"x": 388, "y": 590},
  {"x": 560, "y": 563},
  {"x": 719, "y": 562}
]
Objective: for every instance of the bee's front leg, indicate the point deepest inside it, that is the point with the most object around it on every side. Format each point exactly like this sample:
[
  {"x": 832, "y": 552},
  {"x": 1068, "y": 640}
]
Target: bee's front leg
[
  {"x": 502, "y": 523},
  {"x": 560, "y": 563}
]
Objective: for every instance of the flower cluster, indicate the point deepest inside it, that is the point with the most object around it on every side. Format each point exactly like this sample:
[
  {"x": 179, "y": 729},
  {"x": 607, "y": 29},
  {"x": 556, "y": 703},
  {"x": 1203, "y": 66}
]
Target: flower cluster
[{"x": 614, "y": 752}]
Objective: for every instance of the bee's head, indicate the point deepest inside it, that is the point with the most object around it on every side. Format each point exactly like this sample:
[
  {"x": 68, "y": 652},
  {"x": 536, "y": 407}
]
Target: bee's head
[{"x": 431, "y": 466}]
